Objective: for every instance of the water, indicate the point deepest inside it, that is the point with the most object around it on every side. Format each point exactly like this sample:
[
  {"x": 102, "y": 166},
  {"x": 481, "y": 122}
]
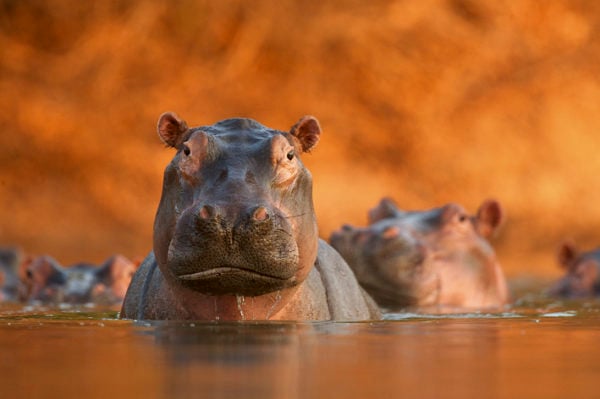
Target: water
[{"x": 538, "y": 349}]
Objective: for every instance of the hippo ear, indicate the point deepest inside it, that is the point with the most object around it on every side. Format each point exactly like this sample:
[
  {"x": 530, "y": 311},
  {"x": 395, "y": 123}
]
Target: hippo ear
[
  {"x": 104, "y": 271},
  {"x": 307, "y": 130},
  {"x": 43, "y": 266},
  {"x": 567, "y": 253},
  {"x": 24, "y": 266},
  {"x": 113, "y": 267},
  {"x": 171, "y": 129},
  {"x": 386, "y": 209},
  {"x": 489, "y": 218}
]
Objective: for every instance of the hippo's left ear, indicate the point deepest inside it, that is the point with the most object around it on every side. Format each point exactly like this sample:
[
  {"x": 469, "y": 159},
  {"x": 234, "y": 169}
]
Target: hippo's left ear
[
  {"x": 386, "y": 209},
  {"x": 113, "y": 267},
  {"x": 567, "y": 254},
  {"x": 307, "y": 130},
  {"x": 171, "y": 129},
  {"x": 104, "y": 271},
  {"x": 489, "y": 218}
]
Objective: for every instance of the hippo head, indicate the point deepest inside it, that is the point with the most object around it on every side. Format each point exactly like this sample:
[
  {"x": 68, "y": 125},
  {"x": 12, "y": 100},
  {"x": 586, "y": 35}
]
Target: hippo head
[
  {"x": 44, "y": 279},
  {"x": 582, "y": 278},
  {"x": 112, "y": 279},
  {"x": 104, "y": 284},
  {"x": 236, "y": 214},
  {"x": 10, "y": 285},
  {"x": 424, "y": 258},
  {"x": 48, "y": 282}
]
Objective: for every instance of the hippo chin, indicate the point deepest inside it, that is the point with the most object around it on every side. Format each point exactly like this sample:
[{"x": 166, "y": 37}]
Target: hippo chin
[
  {"x": 433, "y": 261},
  {"x": 235, "y": 234}
]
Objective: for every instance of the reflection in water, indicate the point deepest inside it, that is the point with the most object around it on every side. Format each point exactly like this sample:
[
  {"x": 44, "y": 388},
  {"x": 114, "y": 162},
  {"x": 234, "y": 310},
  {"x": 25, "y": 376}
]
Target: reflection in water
[
  {"x": 545, "y": 350},
  {"x": 230, "y": 360}
]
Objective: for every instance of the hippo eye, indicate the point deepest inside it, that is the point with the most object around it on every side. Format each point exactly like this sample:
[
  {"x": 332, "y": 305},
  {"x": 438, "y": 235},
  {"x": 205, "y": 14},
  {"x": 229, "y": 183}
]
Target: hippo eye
[
  {"x": 186, "y": 150},
  {"x": 290, "y": 155},
  {"x": 462, "y": 218},
  {"x": 29, "y": 274}
]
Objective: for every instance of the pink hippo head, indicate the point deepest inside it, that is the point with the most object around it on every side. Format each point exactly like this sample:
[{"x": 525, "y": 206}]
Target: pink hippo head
[
  {"x": 582, "y": 278},
  {"x": 435, "y": 260}
]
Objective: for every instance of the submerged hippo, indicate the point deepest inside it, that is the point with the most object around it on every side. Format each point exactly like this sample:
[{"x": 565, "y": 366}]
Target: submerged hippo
[
  {"x": 436, "y": 261},
  {"x": 235, "y": 234},
  {"x": 10, "y": 284},
  {"x": 582, "y": 278},
  {"x": 47, "y": 282}
]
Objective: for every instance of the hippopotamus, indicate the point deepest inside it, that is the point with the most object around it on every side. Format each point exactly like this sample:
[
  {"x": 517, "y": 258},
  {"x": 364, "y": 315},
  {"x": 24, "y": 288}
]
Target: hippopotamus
[
  {"x": 47, "y": 282},
  {"x": 10, "y": 284},
  {"x": 437, "y": 260},
  {"x": 582, "y": 278},
  {"x": 235, "y": 233}
]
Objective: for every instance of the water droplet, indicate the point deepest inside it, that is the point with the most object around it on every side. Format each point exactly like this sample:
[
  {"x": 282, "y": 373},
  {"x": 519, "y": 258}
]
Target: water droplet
[
  {"x": 277, "y": 299},
  {"x": 240, "y": 303}
]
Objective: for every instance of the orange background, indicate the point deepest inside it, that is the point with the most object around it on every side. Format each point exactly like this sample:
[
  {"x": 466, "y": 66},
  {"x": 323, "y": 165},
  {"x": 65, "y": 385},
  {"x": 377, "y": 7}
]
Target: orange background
[{"x": 427, "y": 102}]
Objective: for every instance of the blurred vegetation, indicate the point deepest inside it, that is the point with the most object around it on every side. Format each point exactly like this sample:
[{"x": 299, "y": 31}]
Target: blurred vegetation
[{"x": 427, "y": 102}]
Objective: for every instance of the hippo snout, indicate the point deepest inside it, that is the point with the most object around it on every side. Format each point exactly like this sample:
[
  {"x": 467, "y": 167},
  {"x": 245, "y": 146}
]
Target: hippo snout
[{"x": 225, "y": 249}]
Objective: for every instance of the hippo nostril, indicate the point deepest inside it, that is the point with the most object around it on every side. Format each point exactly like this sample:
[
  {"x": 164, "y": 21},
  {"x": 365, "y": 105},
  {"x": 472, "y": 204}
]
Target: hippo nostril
[
  {"x": 207, "y": 212},
  {"x": 222, "y": 176},
  {"x": 391, "y": 232},
  {"x": 347, "y": 228},
  {"x": 260, "y": 214}
]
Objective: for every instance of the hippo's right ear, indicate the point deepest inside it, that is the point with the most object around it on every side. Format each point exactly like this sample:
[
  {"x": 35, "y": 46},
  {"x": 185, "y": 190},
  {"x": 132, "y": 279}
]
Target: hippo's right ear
[
  {"x": 490, "y": 217},
  {"x": 386, "y": 209},
  {"x": 171, "y": 129},
  {"x": 307, "y": 130},
  {"x": 567, "y": 253}
]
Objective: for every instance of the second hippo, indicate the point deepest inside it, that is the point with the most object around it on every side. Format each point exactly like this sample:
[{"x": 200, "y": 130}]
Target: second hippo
[
  {"x": 235, "y": 234},
  {"x": 582, "y": 272},
  {"x": 437, "y": 260}
]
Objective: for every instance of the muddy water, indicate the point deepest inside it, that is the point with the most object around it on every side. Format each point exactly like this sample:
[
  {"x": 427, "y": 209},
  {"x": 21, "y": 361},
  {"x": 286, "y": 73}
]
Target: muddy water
[{"x": 535, "y": 350}]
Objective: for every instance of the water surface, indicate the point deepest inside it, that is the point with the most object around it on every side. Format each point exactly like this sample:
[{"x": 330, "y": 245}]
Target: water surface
[{"x": 534, "y": 350}]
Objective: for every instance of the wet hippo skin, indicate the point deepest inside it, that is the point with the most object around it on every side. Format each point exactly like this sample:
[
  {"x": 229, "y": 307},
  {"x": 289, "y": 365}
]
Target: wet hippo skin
[
  {"x": 235, "y": 234},
  {"x": 582, "y": 272},
  {"x": 437, "y": 260}
]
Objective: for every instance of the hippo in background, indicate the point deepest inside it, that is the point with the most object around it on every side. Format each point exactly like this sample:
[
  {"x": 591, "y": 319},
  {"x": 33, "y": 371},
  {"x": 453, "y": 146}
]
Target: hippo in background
[
  {"x": 435, "y": 261},
  {"x": 10, "y": 284},
  {"x": 235, "y": 233},
  {"x": 47, "y": 282},
  {"x": 582, "y": 278}
]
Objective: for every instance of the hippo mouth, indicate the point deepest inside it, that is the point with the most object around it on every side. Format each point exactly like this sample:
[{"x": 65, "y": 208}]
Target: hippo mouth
[
  {"x": 231, "y": 280},
  {"x": 225, "y": 271}
]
